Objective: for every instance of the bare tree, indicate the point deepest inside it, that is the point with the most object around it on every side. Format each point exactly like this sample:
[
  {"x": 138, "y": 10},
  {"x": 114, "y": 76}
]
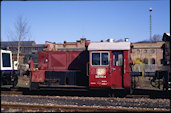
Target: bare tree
[
  {"x": 20, "y": 33},
  {"x": 156, "y": 37}
]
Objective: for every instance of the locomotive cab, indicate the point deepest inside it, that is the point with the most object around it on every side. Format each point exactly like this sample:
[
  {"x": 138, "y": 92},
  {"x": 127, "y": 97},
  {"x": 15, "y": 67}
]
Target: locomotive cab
[{"x": 109, "y": 65}]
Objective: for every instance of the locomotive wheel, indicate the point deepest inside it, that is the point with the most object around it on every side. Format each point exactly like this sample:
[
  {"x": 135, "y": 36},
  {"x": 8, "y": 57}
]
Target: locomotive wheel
[
  {"x": 118, "y": 93},
  {"x": 111, "y": 93},
  {"x": 34, "y": 86}
]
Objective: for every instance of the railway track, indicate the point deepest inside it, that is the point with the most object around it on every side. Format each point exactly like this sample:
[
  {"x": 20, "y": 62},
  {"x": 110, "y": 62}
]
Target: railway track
[
  {"x": 137, "y": 94},
  {"x": 26, "y": 103},
  {"x": 17, "y": 92},
  {"x": 49, "y": 108}
]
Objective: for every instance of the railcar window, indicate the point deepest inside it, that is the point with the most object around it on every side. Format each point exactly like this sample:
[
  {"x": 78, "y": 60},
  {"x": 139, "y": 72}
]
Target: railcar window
[
  {"x": 117, "y": 58},
  {"x": 6, "y": 60},
  {"x": 95, "y": 58},
  {"x": 105, "y": 59}
]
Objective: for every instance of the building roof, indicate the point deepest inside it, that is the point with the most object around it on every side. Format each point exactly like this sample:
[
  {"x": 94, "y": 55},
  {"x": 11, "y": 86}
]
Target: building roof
[
  {"x": 15, "y": 43},
  {"x": 109, "y": 46},
  {"x": 158, "y": 44},
  {"x": 67, "y": 46}
]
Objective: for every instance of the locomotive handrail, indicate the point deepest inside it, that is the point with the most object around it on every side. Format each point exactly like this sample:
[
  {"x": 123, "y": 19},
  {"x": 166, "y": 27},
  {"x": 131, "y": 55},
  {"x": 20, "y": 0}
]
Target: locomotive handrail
[
  {"x": 31, "y": 65},
  {"x": 87, "y": 72}
]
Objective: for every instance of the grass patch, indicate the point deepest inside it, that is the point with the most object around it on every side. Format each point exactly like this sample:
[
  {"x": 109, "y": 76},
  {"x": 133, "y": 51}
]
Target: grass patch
[{"x": 23, "y": 81}]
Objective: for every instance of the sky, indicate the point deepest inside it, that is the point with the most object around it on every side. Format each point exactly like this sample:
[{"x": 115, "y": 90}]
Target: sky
[{"x": 59, "y": 21}]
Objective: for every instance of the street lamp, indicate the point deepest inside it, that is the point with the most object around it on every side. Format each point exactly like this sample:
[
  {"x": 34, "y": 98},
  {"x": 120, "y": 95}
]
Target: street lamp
[
  {"x": 150, "y": 9},
  {"x": 150, "y": 25}
]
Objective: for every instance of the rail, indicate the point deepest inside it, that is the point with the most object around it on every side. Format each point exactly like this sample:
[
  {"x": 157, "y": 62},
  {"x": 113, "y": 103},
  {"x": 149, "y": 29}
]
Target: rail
[{"x": 47, "y": 108}]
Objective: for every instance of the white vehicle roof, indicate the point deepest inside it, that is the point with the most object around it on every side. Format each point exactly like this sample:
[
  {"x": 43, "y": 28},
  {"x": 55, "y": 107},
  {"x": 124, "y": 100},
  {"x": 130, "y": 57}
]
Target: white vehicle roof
[
  {"x": 109, "y": 46},
  {"x": 5, "y": 51}
]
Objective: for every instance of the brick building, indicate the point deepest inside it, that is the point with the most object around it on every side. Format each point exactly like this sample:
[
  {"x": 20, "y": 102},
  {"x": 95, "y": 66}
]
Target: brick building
[
  {"x": 149, "y": 53},
  {"x": 79, "y": 45},
  {"x": 28, "y": 49},
  {"x": 167, "y": 39}
]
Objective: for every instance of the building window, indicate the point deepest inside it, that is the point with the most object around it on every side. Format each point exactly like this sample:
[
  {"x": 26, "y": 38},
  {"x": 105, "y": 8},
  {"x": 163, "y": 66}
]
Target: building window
[
  {"x": 152, "y": 61},
  {"x": 145, "y": 51},
  {"x": 145, "y": 60},
  {"x": 138, "y": 51},
  {"x": 152, "y": 51}
]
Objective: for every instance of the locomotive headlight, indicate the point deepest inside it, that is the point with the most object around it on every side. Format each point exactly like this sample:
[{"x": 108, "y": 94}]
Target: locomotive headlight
[{"x": 46, "y": 60}]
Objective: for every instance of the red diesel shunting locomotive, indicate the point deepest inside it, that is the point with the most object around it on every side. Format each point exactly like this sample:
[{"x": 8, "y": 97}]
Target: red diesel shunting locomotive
[{"x": 98, "y": 65}]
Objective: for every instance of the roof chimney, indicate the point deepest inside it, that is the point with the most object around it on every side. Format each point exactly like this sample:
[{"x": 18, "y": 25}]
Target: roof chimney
[
  {"x": 126, "y": 39},
  {"x": 110, "y": 40}
]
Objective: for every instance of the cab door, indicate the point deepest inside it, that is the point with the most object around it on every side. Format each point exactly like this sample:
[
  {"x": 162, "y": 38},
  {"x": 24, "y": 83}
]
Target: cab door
[
  {"x": 99, "y": 73},
  {"x": 117, "y": 69}
]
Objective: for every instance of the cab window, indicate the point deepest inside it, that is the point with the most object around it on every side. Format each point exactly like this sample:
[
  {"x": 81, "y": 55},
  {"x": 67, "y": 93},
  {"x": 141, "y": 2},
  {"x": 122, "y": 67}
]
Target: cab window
[
  {"x": 105, "y": 59},
  {"x": 6, "y": 60},
  {"x": 95, "y": 58},
  {"x": 101, "y": 58},
  {"x": 117, "y": 58}
]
